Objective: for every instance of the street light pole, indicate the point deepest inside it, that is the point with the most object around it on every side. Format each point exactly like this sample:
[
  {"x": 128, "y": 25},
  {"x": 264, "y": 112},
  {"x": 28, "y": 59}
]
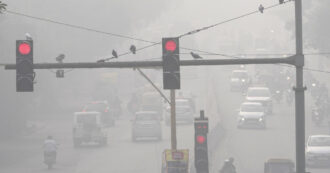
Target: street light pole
[{"x": 299, "y": 92}]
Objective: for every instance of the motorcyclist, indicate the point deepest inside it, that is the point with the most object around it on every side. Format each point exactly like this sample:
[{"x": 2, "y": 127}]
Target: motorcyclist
[
  {"x": 50, "y": 147},
  {"x": 228, "y": 166}
]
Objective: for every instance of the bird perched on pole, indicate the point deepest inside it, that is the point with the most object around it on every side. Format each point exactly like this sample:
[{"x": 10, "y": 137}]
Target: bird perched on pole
[
  {"x": 195, "y": 55},
  {"x": 132, "y": 49},
  {"x": 114, "y": 54},
  {"x": 28, "y": 36},
  {"x": 261, "y": 8}
]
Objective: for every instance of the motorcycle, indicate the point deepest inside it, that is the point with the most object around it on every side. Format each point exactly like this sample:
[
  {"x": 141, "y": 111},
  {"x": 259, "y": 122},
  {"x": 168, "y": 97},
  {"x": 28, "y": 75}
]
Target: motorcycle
[
  {"x": 317, "y": 117},
  {"x": 50, "y": 159},
  {"x": 278, "y": 96},
  {"x": 289, "y": 96}
]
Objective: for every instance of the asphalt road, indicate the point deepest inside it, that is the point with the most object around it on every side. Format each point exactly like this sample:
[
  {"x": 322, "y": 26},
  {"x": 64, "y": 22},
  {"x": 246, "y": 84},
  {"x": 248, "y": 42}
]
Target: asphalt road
[{"x": 252, "y": 147}]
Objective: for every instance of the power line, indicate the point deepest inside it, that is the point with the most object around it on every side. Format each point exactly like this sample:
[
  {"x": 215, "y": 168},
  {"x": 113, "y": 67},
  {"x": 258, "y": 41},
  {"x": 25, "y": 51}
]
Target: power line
[
  {"x": 129, "y": 37},
  {"x": 79, "y": 27},
  {"x": 229, "y": 20}
]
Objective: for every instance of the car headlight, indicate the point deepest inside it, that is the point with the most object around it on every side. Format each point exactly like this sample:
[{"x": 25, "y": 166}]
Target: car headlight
[
  {"x": 243, "y": 80},
  {"x": 261, "y": 119},
  {"x": 242, "y": 119}
]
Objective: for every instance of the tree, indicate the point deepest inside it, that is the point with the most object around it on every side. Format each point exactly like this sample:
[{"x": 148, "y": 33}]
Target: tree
[
  {"x": 2, "y": 6},
  {"x": 317, "y": 26}
]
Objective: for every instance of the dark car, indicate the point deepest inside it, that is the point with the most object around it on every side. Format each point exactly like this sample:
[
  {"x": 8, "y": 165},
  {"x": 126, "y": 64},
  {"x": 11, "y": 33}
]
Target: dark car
[{"x": 103, "y": 107}]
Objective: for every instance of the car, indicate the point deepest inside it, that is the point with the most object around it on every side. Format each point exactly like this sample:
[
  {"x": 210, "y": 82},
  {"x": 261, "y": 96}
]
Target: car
[
  {"x": 279, "y": 165},
  {"x": 261, "y": 95},
  {"x": 151, "y": 101},
  {"x": 185, "y": 111},
  {"x": 239, "y": 81},
  {"x": 146, "y": 124},
  {"x": 318, "y": 150},
  {"x": 108, "y": 117},
  {"x": 251, "y": 114},
  {"x": 87, "y": 128}
]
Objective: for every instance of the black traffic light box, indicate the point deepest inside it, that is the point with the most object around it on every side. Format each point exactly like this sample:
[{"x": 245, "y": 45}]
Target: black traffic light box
[
  {"x": 24, "y": 66},
  {"x": 60, "y": 73},
  {"x": 201, "y": 149},
  {"x": 171, "y": 63}
]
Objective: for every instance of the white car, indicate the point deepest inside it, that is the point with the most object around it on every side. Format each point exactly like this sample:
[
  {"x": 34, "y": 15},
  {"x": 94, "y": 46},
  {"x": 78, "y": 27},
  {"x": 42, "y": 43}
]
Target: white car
[
  {"x": 185, "y": 111},
  {"x": 261, "y": 95},
  {"x": 318, "y": 150},
  {"x": 251, "y": 114}
]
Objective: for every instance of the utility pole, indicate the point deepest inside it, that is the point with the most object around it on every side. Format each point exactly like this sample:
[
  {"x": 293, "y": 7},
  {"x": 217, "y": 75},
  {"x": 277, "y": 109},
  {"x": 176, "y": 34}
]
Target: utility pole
[
  {"x": 173, "y": 121},
  {"x": 299, "y": 92}
]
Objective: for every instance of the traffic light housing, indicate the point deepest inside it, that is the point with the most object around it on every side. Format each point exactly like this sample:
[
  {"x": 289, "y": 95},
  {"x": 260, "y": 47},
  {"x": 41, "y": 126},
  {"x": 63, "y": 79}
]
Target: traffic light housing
[
  {"x": 201, "y": 149},
  {"x": 171, "y": 63},
  {"x": 60, "y": 73},
  {"x": 24, "y": 66}
]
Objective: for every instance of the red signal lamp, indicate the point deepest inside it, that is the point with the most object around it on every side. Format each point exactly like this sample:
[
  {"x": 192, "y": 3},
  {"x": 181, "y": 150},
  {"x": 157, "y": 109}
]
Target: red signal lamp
[
  {"x": 170, "y": 45},
  {"x": 24, "y": 48},
  {"x": 200, "y": 139}
]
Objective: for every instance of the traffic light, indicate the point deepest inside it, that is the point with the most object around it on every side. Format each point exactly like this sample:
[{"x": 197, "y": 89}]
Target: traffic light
[
  {"x": 201, "y": 150},
  {"x": 171, "y": 63},
  {"x": 24, "y": 66},
  {"x": 60, "y": 73}
]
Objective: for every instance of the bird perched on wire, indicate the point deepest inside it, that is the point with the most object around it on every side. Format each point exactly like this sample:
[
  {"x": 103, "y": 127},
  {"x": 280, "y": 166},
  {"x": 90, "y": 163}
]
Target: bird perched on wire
[
  {"x": 60, "y": 58},
  {"x": 195, "y": 55},
  {"x": 281, "y": 1},
  {"x": 114, "y": 54},
  {"x": 132, "y": 49},
  {"x": 261, "y": 8}
]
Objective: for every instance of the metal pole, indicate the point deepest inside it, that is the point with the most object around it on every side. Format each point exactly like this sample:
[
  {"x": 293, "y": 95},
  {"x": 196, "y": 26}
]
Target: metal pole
[
  {"x": 173, "y": 121},
  {"x": 156, "y": 88},
  {"x": 299, "y": 93}
]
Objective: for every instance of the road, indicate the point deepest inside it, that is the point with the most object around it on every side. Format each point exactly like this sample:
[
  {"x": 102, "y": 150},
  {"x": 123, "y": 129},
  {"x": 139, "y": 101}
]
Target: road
[{"x": 252, "y": 147}]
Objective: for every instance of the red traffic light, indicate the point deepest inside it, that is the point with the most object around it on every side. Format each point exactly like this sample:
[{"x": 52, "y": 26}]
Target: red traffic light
[
  {"x": 24, "y": 48},
  {"x": 200, "y": 139},
  {"x": 170, "y": 45}
]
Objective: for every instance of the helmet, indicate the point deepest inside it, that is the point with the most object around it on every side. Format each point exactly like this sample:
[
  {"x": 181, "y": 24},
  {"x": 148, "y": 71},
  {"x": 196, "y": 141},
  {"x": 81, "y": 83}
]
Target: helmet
[{"x": 231, "y": 160}]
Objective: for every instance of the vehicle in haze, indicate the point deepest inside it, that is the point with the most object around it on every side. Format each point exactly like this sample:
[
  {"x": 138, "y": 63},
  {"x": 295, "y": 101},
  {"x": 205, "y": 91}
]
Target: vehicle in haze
[
  {"x": 152, "y": 101},
  {"x": 87, "y": 128},
  {"x": 318, "y": 150},
  {"x": 185, "y": 111},
  {"x": 261, "y": 95},
  {"x": 107, "y": 115},
  {"x": 239, "y": 80},
  {"x": 279, "y": 166},
  {"x": 175, "y": 161},
  {"x": 251, "y": 114},
  {"x": 146, "y": 124}
]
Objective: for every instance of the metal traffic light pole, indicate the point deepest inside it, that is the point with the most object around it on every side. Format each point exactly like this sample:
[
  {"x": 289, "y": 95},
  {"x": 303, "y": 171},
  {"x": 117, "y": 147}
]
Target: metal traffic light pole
[
  {"x": 173, "y": 121},
  {"x": 300, "y": 95}
]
